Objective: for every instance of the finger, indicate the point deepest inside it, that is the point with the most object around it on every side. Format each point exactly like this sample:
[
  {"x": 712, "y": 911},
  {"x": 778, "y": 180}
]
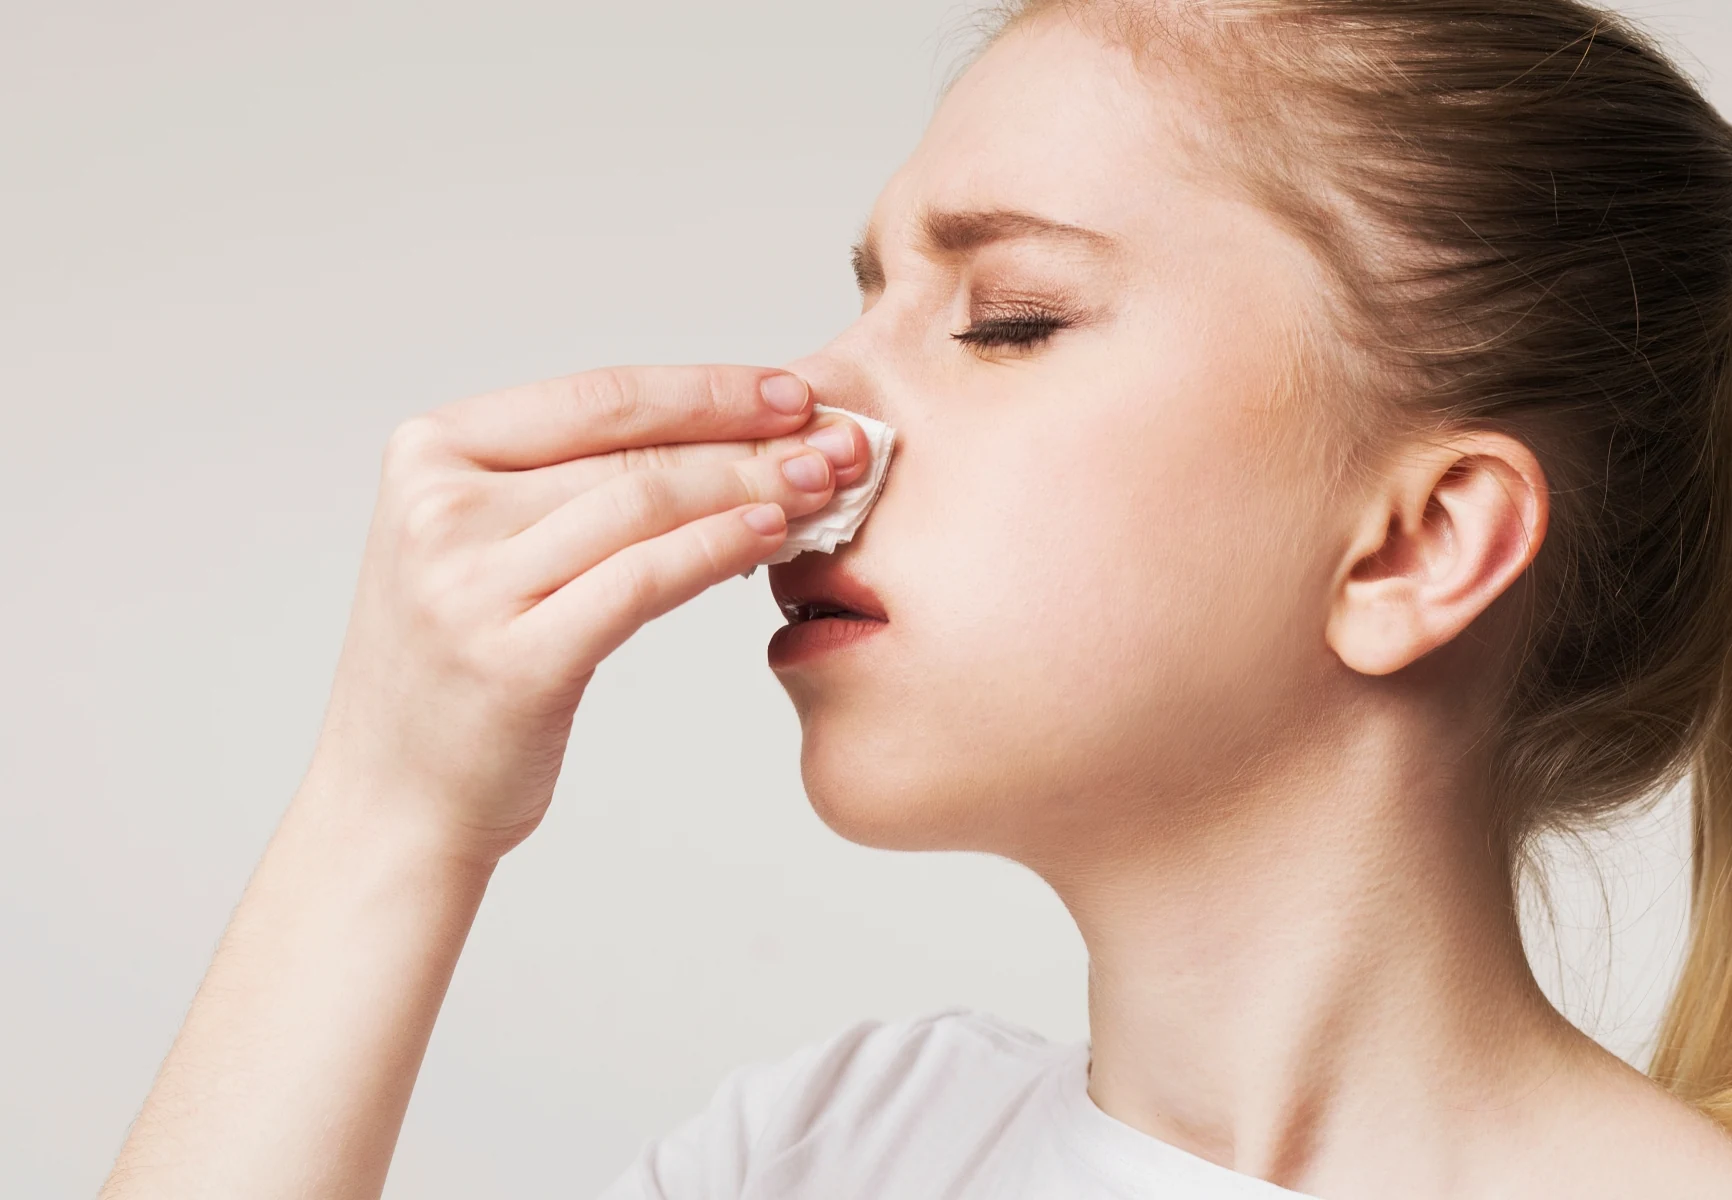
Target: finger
[
  {"x": 526, "y": 497},
  {"x": 601, "y": 411},
  {"x": 590, "y": 617},
  {"x": 640, "y": 505}
]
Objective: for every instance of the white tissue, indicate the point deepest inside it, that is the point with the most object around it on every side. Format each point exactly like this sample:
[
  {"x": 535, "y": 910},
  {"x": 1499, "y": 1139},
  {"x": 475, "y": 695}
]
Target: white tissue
[{"x": 838, "y": 520}]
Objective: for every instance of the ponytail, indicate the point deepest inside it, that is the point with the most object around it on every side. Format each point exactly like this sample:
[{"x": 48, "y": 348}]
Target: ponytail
[{"x": 1693, "y": 1058}]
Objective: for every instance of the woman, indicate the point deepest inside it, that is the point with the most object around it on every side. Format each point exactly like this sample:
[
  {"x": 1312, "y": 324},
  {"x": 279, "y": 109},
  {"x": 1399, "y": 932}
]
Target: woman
[{"x": 1312, "y": 481}]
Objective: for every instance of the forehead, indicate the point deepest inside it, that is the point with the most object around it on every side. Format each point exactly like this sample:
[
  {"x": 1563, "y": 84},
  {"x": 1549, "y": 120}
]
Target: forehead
[{"x": 1055, "y": 120}]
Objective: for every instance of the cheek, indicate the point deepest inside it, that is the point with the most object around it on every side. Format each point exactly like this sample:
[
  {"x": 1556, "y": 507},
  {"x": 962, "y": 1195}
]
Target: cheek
[
  {"x": 1081, "y": 607},
  {"x": 1125, "y": 580}
]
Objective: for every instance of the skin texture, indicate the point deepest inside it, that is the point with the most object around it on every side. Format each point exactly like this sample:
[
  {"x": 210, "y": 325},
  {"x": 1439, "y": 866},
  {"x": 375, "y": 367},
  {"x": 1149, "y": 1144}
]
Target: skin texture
[
  {"x": 1226, "y": 708},
  {"x": 1224, "y": 704},
  {"x": 519, "y": 538}
]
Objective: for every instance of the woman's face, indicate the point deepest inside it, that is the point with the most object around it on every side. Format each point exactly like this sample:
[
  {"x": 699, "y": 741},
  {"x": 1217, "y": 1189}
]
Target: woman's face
[{"x": 1103, "y": 545}]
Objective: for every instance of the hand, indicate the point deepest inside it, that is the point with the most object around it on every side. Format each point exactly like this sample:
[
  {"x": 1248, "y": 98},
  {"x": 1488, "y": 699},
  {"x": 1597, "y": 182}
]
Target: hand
[{"x": 518, "y": 539}]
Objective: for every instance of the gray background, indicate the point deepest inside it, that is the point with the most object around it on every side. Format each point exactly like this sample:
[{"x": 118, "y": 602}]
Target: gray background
[{"x": 238, "y": 243}]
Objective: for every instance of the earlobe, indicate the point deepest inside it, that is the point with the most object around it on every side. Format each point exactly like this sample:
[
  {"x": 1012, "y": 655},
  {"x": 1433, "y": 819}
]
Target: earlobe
[{"x": 1457, "y": 524}]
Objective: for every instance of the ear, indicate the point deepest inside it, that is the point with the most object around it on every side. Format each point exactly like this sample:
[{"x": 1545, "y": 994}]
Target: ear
[{"x": 1455, "y": 525}]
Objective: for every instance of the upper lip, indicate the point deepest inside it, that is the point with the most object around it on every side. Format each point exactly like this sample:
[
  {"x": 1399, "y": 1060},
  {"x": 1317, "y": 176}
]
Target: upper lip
[{"x": 818, "y": 579}]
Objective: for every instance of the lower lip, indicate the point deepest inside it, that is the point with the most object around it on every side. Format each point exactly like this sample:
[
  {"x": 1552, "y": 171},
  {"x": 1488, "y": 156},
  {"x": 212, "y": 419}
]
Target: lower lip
[{"x": 793, "y": 644}]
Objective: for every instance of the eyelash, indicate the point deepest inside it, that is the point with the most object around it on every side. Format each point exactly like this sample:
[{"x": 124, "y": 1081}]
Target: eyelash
[{"x": 1022, "y": 328}]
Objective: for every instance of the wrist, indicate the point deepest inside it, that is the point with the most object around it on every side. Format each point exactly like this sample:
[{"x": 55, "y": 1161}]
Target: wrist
[
  {"x": 295, "y": 1065},
  {"x": 389, "y": 817}
]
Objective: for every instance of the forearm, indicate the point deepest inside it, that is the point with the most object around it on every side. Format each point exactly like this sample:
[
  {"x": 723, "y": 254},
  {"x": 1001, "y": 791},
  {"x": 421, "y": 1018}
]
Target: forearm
[
  {"x": 519, "y": 539},
  {"x": 293, "y": 1070}
]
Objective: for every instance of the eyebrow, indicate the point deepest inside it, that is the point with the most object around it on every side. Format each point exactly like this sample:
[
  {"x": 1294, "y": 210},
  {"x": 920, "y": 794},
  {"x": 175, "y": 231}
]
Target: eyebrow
[{"x": 948, "y": 232}]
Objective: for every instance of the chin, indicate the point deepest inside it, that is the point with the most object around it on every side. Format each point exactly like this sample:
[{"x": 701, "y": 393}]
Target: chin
[{"x": 877, "y": 790}]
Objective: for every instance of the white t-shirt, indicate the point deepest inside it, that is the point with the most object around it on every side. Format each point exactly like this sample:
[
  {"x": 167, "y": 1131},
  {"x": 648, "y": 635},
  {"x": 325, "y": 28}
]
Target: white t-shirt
[{"x": 958, "y": 1105}]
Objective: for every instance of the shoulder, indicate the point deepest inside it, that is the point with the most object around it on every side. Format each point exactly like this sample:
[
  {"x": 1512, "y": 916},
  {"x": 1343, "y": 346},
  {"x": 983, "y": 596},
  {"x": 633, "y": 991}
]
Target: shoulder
[
  {"x": 1672, "y": 1149},
  {"x": 951, "y": 1035},
  {"x": 873, "y": 1083},
  {"x": 1629, "y": 1137},
  {"x": 872, "y": 1065}
]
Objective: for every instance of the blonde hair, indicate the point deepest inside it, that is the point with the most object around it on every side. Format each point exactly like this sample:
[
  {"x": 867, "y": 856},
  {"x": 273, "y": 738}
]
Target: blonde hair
[{"x": 1527, "y": 209}]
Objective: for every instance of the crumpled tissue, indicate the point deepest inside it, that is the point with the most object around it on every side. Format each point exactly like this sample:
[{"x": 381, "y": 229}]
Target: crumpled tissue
[{"x": 840, "y": 519}]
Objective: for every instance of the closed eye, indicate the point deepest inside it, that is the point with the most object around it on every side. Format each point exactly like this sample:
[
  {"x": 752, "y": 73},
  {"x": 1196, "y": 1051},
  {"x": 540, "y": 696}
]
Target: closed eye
[{"x": 1021, "y": 329}]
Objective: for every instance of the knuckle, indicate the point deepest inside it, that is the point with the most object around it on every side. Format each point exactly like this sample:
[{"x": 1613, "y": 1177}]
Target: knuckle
[
  {"x": 430, "y": 610},
  {"x": 644, "y": 458},
  {"x": 438, "y": 509},
  {"x": 608, "y": 395},
  {"x": 412, "y": 444},
  {"x": 717, "y": 399},
  {"x": 641, "y": 500},
  {"x": 633, "y": 585},
  {"x": 755, "y": 480},
  {"x": 451, "y": 607},
  {"x": 714, "y": 552}
]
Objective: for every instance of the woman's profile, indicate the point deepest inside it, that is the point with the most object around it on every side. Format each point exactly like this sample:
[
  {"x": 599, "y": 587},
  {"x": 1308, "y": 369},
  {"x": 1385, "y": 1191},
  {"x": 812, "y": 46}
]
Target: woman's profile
[{"x": 1337, "y": 395}]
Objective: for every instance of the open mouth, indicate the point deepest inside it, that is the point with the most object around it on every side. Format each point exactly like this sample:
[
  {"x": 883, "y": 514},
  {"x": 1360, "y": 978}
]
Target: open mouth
[
  {"x": 824, "y": 591},
  {"x": 828, "y": 609},
  {"x": 799, "y": 614}
]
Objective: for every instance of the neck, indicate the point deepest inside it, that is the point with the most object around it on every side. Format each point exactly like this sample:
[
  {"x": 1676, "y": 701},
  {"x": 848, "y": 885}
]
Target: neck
[{"x": 1327, "y": 989}]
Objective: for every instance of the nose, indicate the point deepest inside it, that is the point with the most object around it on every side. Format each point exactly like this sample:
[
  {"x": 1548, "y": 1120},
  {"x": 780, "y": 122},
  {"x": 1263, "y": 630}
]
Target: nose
[{"x": 845, "y": 375}]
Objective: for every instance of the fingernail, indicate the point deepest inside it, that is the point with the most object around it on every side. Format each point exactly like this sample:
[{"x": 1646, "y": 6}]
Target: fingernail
[
  {"x": 808, "y": 472},
  {"x": 786, "y": 393},
  {"x": 836, "y": 443},
  {"x": 766, "y": 519}
]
